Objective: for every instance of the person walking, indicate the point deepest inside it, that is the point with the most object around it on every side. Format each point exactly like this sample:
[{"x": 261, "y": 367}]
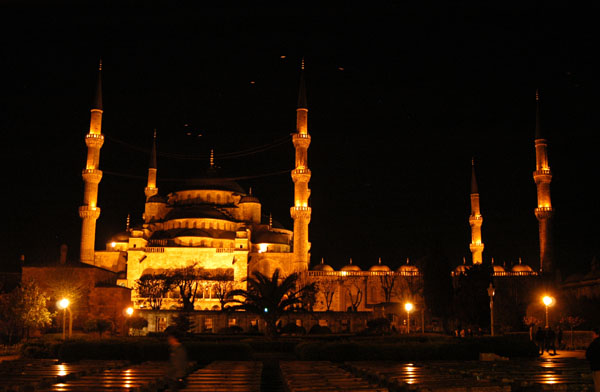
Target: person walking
[
  {"x": 177, "y": 361},
  {"x": 550, "y": 341},
  {"x": 539, "y": 340},
  {"x": 592, "y": 354}
]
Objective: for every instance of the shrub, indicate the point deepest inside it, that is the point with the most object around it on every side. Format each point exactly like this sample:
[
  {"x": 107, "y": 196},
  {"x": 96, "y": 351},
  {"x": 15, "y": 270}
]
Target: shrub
[
  {"x": 378, "y": 325},
  {"x": 293, "y": 329},
  {"x": 234, "y": 329},
  {"x": 319, "y": 330},
  {"x": 99, "y": 325}
]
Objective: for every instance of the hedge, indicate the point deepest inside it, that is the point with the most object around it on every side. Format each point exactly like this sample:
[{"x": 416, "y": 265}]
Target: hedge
[{"x": 464, "y": 349}]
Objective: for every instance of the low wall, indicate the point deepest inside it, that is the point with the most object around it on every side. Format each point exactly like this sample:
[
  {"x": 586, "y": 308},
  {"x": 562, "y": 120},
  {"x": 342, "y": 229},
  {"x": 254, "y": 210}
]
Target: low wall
[{"x": 214, "y": 321}]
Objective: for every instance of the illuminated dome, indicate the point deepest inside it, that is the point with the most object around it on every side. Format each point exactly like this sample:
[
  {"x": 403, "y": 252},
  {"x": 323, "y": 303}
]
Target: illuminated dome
[
  {"x": 379, "y": 267},
  {"x": 408, "y": 268},
  {"x": 498, "y": 268},
  {"x": 351, "y": 267},
  {"x": 521, "y": 267},
  {"x": 461, "y": 269},
  {"x": 322, "y": 267},
  {"x": 120, "y": 237}
]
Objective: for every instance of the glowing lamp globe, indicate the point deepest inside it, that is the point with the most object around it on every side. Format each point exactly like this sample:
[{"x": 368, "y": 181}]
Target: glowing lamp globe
[
  {"x": 63, "y": 303},
  {"x": 129, "y": 311},
  {"x": 547, "y": 300},
  {"x": 408, "y": 306}
]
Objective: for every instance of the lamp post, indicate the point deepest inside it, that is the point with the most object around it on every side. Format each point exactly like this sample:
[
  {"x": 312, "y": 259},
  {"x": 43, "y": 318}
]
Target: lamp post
[
  {"x": 548, "y": 301},
  {"x": 491, "y": 291},
  {"x": 64, "y": 305},
  {"x": 408, "y": 307}
]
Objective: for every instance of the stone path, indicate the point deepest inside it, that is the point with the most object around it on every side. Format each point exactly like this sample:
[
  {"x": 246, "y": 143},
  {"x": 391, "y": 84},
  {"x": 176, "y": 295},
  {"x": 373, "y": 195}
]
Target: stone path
[
  {"x": 301, "y": 376},
  {"x": 226, "y": 376}
]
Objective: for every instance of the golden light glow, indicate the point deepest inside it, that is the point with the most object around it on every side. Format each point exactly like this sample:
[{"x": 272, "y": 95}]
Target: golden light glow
[
  {"x": 113, "y": 244},
  {"x": 408, "y": 306},
  {"x": 547, "y": 300},
  {"x": 62, "y": 371},
  {"x": 129, "y": 311},
  {"x": 262, "y": 248},
  {"x": 64, "y": 303}
]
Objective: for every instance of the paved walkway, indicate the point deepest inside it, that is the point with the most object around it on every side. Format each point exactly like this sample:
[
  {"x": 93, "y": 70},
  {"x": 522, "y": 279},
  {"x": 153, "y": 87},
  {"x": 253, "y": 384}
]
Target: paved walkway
[{"x": 579, "y": 354}]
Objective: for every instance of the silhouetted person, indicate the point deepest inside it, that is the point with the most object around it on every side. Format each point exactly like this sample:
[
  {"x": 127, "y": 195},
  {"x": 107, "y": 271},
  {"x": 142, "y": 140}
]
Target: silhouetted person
[
  {"x": 593, "y": 355},
  {"x": 559, "y": 337},
  {"x": 550, "y": 341},
  {"x": 177, "y": 361},
  {"x": 539, "y": 340}
]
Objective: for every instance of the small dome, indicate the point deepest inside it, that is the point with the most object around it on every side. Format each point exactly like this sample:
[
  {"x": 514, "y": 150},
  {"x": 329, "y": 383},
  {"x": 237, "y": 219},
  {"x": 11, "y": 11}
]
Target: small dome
[
  {"x": 498, "y": 268},
  {"x": 351, "y": 267},
  {"x": 408, "y": 267},
  {"x": 521, "y": 267},
  {"x": 461, "y": 269},
  {"x": 249, "y": 199},
  {"x": 120, "y": 237},
  {"x": 156, "y": 199},
  {"x": 322, "y": 267},
  {"x": 379, "y": 267}
]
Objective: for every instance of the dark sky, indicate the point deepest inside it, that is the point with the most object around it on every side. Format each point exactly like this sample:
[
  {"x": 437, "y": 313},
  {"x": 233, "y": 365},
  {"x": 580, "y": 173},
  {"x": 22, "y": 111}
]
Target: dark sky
[{"x": 400, "y": 99}]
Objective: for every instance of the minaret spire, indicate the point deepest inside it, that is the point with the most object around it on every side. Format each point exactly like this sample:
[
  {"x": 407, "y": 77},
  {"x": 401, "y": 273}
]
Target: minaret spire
[
  {"x": 475, "y": 219},
  {"x": 301, "y": 212},
  {"x": 542, "y": 177},
  {"x": 151, "y": 188},
  {"x": 89, "y": 212}
]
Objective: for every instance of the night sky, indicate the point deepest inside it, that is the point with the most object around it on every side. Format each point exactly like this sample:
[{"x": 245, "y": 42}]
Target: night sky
[{"x": 399, "y": 100}]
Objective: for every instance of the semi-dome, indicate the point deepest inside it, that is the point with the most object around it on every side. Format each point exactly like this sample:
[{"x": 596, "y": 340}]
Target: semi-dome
[
  {"x": 408, "y": 268},
  {"x": 499, "y": 268},
  {"x": 351, "y": 267},
  {"x": 157, "y": 199},
  {"x": 462, "y": 268},
  {"x": 521, "y": 267},
  {"x": 323, "y": 267},
  {"x": 120, "y": 237},
  {"x": 379, "y": 267},
  {"x": 249, "y": 199}
]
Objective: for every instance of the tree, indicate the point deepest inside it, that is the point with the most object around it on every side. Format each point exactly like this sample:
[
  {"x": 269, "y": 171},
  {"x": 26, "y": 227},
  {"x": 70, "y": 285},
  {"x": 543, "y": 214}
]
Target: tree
[
  {"x": 571, "y": 322},
  {"x": 388, "y": 285},
  {"x": 471, "y": 299},
  {"x": 223, "y": 284},
  {"x": 327, "y": 286},
  {"x": 22, "y": 309},
  {"x": 269, "y": 298},
  {"x": 437, "y": 284},
  {"x": 152, "y": 288},
  {"x": 99, "y": 325},
  {"x": 353, "y": 288},
  {"x": 137, "y": 323},
  {"x": 187, "y": 280}
]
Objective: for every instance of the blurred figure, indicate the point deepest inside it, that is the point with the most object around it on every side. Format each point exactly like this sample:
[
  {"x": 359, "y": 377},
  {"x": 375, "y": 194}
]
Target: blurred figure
[
  {"x": 592, "y": 354},
  {"x": 559, "y": 337},
  {"x": 539, "y": 340},
  {"x": 177, "y": 361},
  {"x": 550, "y": 340}
]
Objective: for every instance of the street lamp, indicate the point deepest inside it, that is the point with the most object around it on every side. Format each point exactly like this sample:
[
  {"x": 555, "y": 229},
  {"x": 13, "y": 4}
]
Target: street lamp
[
  {"x": 129, "y": 311},
  {"x": 548, "y": 301},
  {"x": 64, "y": 305},
  {"x": 491, "y": 291},
  {"x": 408, "y": 307}
]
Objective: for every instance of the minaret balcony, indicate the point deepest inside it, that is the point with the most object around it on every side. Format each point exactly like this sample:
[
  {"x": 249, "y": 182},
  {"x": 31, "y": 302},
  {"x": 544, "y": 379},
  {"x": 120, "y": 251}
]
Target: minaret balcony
[
  {"x": 92, "y": 175},
  {"x": 301, "y": 140},
  {"x": 300, "y": 212},
  {"x": 89, "y": 212},
  {"x": 476, "y": 247},
  {"x": 94, "y": 140},
  {"x": 542, "y": 175},
  {"x": 476, "y": 220},
  {"x": 302, "y": 175},
  {"x": 542, "y": 213}
]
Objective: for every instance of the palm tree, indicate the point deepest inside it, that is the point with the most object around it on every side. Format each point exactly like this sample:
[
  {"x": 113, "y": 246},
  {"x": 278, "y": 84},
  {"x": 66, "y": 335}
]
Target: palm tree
[{"x": 269, "y": 298}]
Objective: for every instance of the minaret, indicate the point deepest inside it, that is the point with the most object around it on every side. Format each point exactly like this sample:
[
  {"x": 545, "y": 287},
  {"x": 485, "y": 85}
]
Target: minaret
[
  {"x": 542, "y": 177},
  {"x": 301, "y": 212},
  {"x": 151, "y": 188},
  {"x": 89, "y": 211},
  {"x": 475, "y": 219}
]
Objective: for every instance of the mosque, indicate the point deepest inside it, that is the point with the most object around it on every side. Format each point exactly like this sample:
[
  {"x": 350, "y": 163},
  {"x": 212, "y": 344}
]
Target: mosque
[{"x": 215, "y": 225}]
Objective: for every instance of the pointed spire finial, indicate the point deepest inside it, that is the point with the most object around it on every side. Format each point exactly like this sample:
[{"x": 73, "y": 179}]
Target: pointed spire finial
[
  {"x": 492, "y": 261},
  {"x": 127, "y": 224},
  {"x": 322, "y": 260},
  {"x": 380, "y": 261},
  {"x": 212, "y": 158},
  {"x": 270, "y": 220},
  {"x": 302, "y": 91},
  {"x": 250, "y": 191},
  {"x": 407, "y": 261},
  {"x": 538, "y": 116},
  {"x": 97, "y": 104},
  {"x": 350, "y": 260},
  {"x": 520, "y": 261},
  {"x": 464, "y": 261},
  {"x": 537, "y": 94},
  {"x": 474, "y": 187},
  {"x": 153, "y": 152}
]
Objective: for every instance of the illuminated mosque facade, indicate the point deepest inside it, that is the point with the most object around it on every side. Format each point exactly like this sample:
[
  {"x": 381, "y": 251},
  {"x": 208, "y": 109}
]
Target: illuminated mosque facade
[{"x": 216, "y": 225}]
